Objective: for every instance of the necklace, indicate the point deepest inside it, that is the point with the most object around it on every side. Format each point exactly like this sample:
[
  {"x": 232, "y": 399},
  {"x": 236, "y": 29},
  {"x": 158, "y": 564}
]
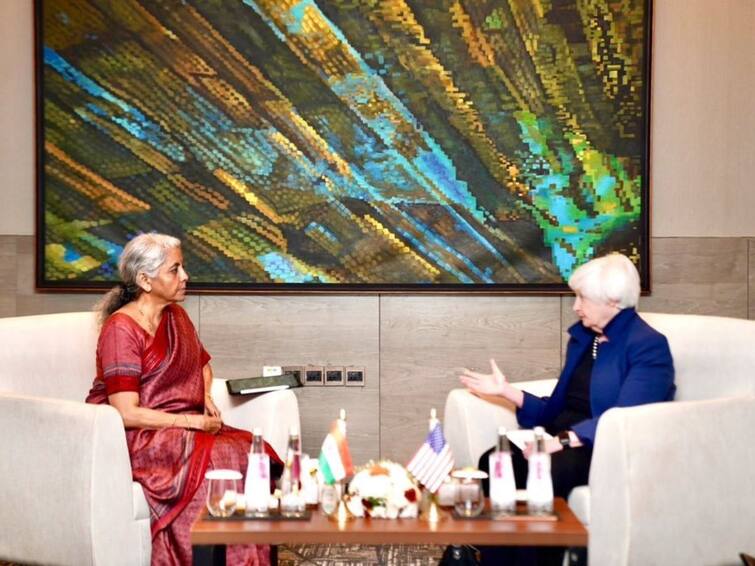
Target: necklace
[
  {"x": 150, "y": 324},
  {"x": 595, "y": 343}
]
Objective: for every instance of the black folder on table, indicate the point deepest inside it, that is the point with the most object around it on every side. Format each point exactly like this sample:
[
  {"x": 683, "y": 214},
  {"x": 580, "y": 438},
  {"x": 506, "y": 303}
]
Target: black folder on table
[{"x": 255, "y": 385}]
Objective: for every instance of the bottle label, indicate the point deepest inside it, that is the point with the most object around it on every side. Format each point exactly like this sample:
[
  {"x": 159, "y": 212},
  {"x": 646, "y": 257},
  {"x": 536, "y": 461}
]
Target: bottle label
[
  {"x": 257, "y": 488},
  {"x": 502, "y": 486}
]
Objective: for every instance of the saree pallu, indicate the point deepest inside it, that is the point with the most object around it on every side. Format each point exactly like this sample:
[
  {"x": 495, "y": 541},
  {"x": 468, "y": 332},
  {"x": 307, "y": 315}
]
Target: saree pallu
[{"x": 170, "y": 463}]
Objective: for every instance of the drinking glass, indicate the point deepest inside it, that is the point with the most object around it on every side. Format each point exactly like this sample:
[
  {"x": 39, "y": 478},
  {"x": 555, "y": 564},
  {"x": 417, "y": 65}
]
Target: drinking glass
[
  {"x": 469, "y": 499},
  {"x": 222, "y": 492}
]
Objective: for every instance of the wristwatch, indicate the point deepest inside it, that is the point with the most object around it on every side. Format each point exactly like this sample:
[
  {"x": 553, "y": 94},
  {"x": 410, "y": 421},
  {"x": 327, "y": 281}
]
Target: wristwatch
[{"x": 563, "y": 438}]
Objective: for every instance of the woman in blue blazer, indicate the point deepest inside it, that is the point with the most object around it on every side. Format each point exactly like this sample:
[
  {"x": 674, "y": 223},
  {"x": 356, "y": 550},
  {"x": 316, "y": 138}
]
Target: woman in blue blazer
[{"x": 613, "y": 359}]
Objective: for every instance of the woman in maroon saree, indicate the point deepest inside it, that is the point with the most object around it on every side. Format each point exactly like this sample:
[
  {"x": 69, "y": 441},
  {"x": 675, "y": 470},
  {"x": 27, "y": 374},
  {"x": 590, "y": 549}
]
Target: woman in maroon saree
[{"x": 152, "y": 367}]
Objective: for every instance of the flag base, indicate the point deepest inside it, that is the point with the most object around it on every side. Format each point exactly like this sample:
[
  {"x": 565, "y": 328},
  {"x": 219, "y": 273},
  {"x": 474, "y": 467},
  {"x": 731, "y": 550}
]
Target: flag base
[
  {"x": 341, "y": 514},
  {"x": 430, "y": 511}
]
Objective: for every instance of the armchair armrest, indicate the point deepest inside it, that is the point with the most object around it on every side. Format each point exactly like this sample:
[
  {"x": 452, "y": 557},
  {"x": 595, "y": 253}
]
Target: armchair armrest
[
  {"x": 275, "y": 413},
  {"x": 67, "y": 484},
  {"x": 671, "y": 483},
  {"x": 470, "y": 423}
]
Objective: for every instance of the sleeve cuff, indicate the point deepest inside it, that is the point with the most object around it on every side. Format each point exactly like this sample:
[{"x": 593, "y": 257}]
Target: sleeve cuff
[{"x": 121, "y": 383}]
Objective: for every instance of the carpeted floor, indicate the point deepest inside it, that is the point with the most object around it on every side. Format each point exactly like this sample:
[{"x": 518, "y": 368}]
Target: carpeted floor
[
  {"x": 351, "y": 555},
  {"x": 357, "y": 555}
]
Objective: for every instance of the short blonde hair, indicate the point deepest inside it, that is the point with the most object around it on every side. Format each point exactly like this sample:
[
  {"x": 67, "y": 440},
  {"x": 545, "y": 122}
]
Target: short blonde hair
[{"x": 611, "y": 278}]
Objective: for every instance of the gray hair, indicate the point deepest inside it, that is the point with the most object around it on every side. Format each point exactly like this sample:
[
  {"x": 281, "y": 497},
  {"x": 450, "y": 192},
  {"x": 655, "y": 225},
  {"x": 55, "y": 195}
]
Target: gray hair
[
  {"x": 611, "y": 278},
  {"x": 143, "y": 254}
]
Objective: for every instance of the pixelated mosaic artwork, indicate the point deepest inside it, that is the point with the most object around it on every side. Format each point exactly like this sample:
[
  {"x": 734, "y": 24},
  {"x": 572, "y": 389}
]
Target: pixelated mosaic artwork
[{"x": 463, "y": 145}]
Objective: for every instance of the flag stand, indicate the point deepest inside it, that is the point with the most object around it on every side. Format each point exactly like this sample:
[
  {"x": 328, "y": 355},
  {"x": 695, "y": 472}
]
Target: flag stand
[
  {"x": 341, "y": 515},
  {"x": 430, "y": 511}
]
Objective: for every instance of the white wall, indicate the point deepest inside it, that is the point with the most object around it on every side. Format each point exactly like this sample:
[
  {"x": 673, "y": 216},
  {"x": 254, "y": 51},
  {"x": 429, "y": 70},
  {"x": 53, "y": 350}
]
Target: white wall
[
  {"x": 16, "y": 117},
  {"x": 703, "y": 118}
]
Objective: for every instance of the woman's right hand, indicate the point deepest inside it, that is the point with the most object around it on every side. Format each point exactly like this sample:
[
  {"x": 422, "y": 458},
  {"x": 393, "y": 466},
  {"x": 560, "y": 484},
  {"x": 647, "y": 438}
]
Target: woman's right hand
[{"x": 493, "y": 383}]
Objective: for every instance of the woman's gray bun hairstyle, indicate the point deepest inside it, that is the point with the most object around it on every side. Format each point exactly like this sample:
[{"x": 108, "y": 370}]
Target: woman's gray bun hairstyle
[{"x": 143, "y": 254}]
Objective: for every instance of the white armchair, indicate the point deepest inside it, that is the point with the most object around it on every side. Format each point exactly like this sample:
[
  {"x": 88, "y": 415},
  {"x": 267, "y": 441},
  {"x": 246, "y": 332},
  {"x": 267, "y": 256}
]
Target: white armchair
[
  {"x": 65, "y": 475},
  {"x": 670, "y": 483}
]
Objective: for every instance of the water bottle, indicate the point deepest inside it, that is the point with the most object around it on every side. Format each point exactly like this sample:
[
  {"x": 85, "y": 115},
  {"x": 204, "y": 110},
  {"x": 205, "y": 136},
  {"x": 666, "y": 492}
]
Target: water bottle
[
  {"x": 292, "y": 498},
  {"x": 257, "y": 484},
  {"x": 502, "y": 484},
  {"x": 539, "y": 482}
]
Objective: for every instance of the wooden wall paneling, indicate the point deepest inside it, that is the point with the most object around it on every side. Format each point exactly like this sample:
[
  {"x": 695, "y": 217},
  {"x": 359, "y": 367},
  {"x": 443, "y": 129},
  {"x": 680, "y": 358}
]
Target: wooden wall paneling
[
  {"x": 567, "y": 319},
  {"x": 699, "y": 276},
  {"x": 751, "y": 279},
  {"x": 245, "y": 333},
  {"x": 426, "y": 340},
  {"x": 8, "y": 275}
]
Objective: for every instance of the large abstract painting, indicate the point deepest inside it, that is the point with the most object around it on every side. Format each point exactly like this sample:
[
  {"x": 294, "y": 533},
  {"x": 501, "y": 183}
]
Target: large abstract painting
[{"x": 420, "y": 145}]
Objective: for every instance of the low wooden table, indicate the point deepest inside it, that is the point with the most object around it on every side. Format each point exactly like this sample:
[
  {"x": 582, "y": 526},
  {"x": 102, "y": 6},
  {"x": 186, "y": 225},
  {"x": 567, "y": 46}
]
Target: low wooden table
[{"x": 210, "y": 537}]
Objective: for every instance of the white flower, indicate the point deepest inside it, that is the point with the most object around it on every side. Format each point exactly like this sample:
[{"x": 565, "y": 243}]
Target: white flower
[
  {"x": 354, "y": 505},
  {"x": 384, "y": 489}
]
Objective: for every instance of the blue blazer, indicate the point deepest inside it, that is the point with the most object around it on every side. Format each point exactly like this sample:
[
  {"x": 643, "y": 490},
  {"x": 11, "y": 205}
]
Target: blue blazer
[{"x": 633, "y": 367}]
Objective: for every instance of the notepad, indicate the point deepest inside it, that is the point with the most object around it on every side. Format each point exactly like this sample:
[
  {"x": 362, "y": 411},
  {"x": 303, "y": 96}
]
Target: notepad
[{"x": 262, "y": 384}]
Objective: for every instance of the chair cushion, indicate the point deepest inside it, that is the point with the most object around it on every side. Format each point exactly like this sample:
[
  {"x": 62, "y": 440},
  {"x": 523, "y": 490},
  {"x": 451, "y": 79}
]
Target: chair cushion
[
  {"x": 713, "y": 355},
  {"x": 141, "y": 509},
  {"x": 579, "y": 503}
]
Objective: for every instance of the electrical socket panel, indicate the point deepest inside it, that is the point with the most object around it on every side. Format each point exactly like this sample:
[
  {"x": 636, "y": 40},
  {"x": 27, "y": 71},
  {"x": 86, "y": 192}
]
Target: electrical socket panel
[
  {"x": 308, "y": 376},
  {"x": 313, "y": 375},
  {"x": 354, "y": 376},
  {"x": 334, "y": 375}
]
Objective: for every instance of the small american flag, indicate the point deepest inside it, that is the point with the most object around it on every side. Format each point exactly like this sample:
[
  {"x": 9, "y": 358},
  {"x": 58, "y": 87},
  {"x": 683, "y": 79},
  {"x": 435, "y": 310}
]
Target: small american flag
[{"x": 433, "y": 461}]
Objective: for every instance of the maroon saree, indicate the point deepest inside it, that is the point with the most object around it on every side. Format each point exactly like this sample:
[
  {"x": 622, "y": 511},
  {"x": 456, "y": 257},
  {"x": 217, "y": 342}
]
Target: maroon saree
[{"x": 170, "y": 463}]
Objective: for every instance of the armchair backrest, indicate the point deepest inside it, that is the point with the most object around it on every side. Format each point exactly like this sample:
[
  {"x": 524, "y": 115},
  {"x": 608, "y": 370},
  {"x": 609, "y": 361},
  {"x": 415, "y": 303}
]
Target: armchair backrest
[
  {"x": 48, "y": 355},
  {"x": 714, "y": 356}
]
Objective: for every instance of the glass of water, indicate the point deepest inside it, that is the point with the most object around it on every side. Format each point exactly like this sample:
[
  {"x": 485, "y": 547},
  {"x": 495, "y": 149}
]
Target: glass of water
[
  {"x": 222, "y": 492},
  {"x": 469, "y": 499}
]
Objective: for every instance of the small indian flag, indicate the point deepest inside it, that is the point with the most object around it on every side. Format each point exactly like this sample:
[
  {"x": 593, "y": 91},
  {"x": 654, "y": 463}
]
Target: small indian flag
[{"x": 335, "y": 458}]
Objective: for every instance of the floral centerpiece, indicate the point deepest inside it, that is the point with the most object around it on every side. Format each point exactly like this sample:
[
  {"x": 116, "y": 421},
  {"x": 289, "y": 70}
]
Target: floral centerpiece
[{"x": 383, "y": 490}]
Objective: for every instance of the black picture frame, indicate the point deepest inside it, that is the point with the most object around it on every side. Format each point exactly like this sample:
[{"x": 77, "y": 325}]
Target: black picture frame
[{"x": 111, "y": 164}]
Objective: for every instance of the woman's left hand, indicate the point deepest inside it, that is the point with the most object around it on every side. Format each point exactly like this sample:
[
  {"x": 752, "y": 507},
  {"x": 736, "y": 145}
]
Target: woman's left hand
[
  {"x": 209, "y": 407},
  {"x": 551, "y": 445}
]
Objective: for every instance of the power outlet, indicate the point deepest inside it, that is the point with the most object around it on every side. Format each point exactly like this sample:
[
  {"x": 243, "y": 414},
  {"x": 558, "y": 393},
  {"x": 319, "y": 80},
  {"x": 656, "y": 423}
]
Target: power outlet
[
  {"x": 296, "y": 371},
  {"x": 313, "y": 375},
  {"x": 333, "y": 376},
  {"x": 354, "y": 376}
]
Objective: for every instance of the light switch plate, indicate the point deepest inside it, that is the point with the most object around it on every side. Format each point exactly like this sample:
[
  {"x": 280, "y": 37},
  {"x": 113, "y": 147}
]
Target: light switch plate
[{"x": 271, "y": 371}]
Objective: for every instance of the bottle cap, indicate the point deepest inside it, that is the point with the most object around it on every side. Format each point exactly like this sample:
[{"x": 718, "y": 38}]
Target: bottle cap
[
  {"x": 501, "y": 431},
  {"x": 257, "y": 431},
  {"x": 293, "y": 431}
]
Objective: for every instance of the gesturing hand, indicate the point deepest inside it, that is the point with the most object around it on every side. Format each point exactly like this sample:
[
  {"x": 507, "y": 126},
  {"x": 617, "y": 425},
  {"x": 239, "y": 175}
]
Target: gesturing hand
[{"x": 485, "y": 383}]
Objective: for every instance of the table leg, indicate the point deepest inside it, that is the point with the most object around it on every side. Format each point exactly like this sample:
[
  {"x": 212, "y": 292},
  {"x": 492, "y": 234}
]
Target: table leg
[{"x": 208, "y": 555}]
